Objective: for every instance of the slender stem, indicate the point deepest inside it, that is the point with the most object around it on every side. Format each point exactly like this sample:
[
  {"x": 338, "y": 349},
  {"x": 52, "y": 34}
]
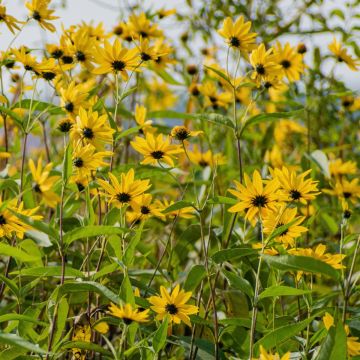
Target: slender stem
[
  {"x": 256, "y": 293},
  {"x": 348, "y": 281},
  {"x": 23, "y": 165},
  {"x": 46, "y": 141},
  {"x": 211, "y": 286}
]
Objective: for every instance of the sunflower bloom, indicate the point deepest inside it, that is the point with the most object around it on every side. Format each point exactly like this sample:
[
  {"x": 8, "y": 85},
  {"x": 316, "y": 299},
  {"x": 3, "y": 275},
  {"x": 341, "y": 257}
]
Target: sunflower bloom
[
  {"x": 238, "y": 34},
  {"x": 284, "y": 216},
  {"x": 173, "y": 305},
  {"x": 264, "y": 355},
  {"x": 43, "y": 183},
  {"x": 126, "y": 190},
  {"x": 128, "y": 314},
  {"x": 143, "y": 208},
  {"x": 81, "y": 333},
  {"x": 9, "y": 20},
  {"x": 254, "y": 197},
  {"x": 85, "y": 159},
  {"x": 116, "y": 59},
  {"x": 342, "y": 56},
  {"x": 10, "y": 224},
  {"x": 290, "y": 61},
  {"x": 92, "y": 128},
  {"x": 187, "y": 212},
  {"x": 141, "y": 119},
  {"x": 182, "y": 133},
  {"x": 295, "y": 187},
  {"x": 39, "y": 11},
  {"x": 207, "y": 158},
  {"x": 264, "y": 63},
  {"x": 344, "y": 189},
  {"x": 338, "y": 167},
  {"x": 156, "y": 149}
]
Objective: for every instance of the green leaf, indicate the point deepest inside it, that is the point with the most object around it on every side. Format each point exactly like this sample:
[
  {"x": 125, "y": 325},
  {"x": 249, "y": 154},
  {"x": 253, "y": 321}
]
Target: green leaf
[
  {"x": 84, "y": 286},
  {"x": 126, "y": 291},
  {"x": 280, "y": 230},
  {"x": 167, "y": 77},
  {"x": 37, "y": 105},
  {"x": 281, "y": 334},
  {"x": 159, "y": 339},
  {"x": 91, "y": 231},
  {"x": 7, "y": 250},
  {"x": 49, "y": 271},
  {"x": 20, "y": 317},
  {"x": 62, "y": 313},
  {"x": 17, "y": 341},
  {"x": 301, "y": 263},
  {"x": 222, "y": 200},
  {"x": 13, "y": 115},
  {"x": 125, "y": 94},
  {"x": 127, "y": 132},
  {"x": 67, "y": 164},
  {"x": 231, "y": 254},
  {"x": 194, "y": 278},
  {"x": 86, "y": 346},
  {"x": 239, "y": 283},
  {"x": 177, "y": 206},
  {"x": 128, "y": 257},
  {"x": 260, "y": 118},
  {"x": 280, "y": 290},
  {"x": 335, "y": 345},
  {"x": 220, "y": 73}
]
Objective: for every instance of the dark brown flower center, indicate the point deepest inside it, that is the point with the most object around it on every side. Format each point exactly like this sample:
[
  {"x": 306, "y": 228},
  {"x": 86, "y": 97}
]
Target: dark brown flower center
[
  {"x": 118, "y": 65},
  {"x": 295, "y": 194},
  {"x": 37, "y": 188},
  {"x": 36, "y": 16},
  {"x": 123, "y": 197},
  {"x": 346, "y": 194},
  {"x": 260, "y": 69},
  {"x": 286, "y": 64},
  {"x": 171, "y": 309},
  {"x": 259, "y": 201},
  {"x": 80, "y": 56},
  {"x": 158, "y": 154},
  {"x": 69, "y": 107},
  {"x": 285, "y": 231},
  {"x": 182, "y": 134},
  {"x": 145, "y": 57},
  {"x": 78, "y": 162},
  {"x": 2, "y": 219},
  {"x": 88, "y": 133},
  {"x": 127, "y": 321},
  {"x": 234, "y": 41},
  {"x": 145, "y": 210},
  {"x": 67, "y": 59}
]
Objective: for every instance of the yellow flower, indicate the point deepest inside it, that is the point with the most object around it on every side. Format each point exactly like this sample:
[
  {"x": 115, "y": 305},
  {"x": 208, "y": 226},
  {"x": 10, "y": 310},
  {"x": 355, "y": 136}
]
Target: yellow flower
[
  {"x": 85, "y": 159},
  {"x": 161, "y": 13},
  {"x": 156, "y": 149},
  {"x": 140, "y": 118},
  {"x": 142, "y": 208},
  {"x": 238, "y": 34},
  {"x": 284, "y": 129},
  {"x": 91, "y": 128},
  {"x": 148, "y": 52},
  {"x": 81, "y": 333},
  {"x": 75, "y": 96},
  {"x": 173, "y": 305},
  {"x": 283, "y": 216},
  {"x": 164, "y": 52},
  {"x": 206, "y": 158},
  {"x": 128, "y": 314},
  {"x": 23, "y": 56},
  {"x": 116, "y": 59},
  {"x": 353, "y": 345},
  {"x": 10, "y": 224},
  {"x": 334, "y": 260},
  {"x": 101, "y": 327},
  {"x": 140, "y": 25},
  {"x": 9, "y": 20},
  {"x": 44, "y": 183},
  {"x": 126, "y": 191},
  {"x": 344, "y": 189},
  {"x": 185, "y": 213},
  {"x": 39, "y": 11},
  {"x": 254, "y": 197},
  {"x": 264, "y": 355},
  {"x": 294, "y": 187},
  {"x": 213, "y": 97},
  {"x": 328, "y": 321},
  {"x": 342, "y": 56},
  {"x": 264, "y": 63},
  {"x": 182, "y": 133},
  {"x": 338, "y": 167},
  {"x": 290, "y": 61}
]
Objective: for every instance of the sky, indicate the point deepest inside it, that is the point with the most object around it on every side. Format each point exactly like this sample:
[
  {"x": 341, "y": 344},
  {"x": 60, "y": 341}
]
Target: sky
[{"x": 110, "y": 12}]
